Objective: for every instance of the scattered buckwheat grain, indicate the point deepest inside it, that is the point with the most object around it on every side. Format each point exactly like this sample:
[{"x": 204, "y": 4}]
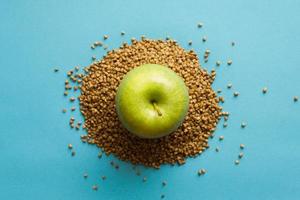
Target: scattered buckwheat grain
[
  {"x": 243, "y": 124},
  {"x": 105, "y": 37},
  {"x": 97, "y": 104},
  {"x": 199, "y": 25},
  {"x": 85, "y": 175},
  {"x": 236, "y": 94},
  {"x": 229, "y": 62},
  {"x": 95, "y": 187},
  {"x": 264, "y": 90},
  {"x": 241, "y": 155},
  {"x": 201, "y": 172}
]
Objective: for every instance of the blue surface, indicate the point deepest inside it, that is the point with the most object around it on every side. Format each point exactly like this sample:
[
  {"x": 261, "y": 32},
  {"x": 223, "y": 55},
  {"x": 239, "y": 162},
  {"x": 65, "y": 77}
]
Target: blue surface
[{"x": 36, "y": 36}]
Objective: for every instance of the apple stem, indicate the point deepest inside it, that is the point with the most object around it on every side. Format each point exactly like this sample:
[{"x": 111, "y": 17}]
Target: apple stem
[{"x": 156, "y": 108}]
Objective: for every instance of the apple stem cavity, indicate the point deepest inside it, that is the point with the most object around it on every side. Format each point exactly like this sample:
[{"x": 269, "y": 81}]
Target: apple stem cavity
[{"x": 156, "y": 108}]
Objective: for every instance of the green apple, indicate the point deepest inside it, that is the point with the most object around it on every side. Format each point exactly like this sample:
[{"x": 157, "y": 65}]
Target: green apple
[{"x": 152, "y": 101}]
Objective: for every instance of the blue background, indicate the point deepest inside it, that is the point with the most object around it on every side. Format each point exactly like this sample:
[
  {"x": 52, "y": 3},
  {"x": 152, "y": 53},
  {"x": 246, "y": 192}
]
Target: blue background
[{"x": 36, "y": 36}]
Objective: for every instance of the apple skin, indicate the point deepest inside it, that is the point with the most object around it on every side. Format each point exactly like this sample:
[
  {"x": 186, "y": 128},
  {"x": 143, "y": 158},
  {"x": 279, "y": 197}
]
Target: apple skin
[{"x": 152, "y": 101}]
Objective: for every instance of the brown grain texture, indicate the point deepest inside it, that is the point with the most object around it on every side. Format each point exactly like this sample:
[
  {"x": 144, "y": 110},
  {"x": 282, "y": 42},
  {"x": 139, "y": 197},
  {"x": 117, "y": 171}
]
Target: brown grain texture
[{"x": 97, "y": 104}]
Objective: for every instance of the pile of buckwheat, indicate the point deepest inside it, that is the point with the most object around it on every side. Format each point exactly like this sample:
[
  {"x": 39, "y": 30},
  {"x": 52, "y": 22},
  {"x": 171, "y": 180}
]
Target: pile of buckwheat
[{"x": 97, "y": 104}]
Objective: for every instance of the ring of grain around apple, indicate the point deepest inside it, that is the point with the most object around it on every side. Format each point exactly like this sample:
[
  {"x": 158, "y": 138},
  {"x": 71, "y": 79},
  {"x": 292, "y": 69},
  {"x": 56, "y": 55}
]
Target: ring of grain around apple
[{"x": 97, "y": 104}]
